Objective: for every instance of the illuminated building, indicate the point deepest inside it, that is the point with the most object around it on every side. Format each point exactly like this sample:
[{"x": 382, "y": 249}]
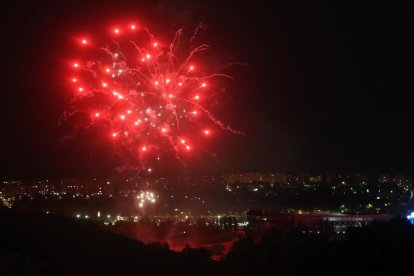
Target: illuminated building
[{"x": 310, "y": 223}]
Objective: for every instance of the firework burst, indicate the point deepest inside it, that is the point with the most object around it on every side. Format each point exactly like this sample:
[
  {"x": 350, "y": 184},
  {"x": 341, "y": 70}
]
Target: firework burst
[
  {"x": 145, "y": 198},
  {"x": 151, "y": 97}
]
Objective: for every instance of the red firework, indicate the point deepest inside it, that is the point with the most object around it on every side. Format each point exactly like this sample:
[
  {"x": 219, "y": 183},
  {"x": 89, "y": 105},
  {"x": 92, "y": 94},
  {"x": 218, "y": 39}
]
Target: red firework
[{"x": 151, "y": 101}]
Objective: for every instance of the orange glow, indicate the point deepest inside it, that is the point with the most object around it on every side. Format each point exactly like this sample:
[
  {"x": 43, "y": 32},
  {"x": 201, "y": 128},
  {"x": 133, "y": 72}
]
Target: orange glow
[
  {"x": 104, "y": 84},
  {"x": 187, "y": 147}
]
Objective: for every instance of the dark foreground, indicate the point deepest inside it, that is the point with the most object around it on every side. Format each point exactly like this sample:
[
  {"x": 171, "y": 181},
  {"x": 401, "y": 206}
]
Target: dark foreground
[{"x": 38, "y": 244}]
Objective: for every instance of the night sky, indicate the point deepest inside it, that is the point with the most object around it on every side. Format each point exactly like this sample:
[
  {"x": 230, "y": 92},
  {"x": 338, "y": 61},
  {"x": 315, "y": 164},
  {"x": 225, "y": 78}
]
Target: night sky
[{"x": 326, "y": 86}]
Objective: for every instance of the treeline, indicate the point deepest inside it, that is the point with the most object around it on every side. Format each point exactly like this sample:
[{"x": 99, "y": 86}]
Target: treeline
[
  {"x": 377, "y": 249},
  {"x": 39, "y": 244}
]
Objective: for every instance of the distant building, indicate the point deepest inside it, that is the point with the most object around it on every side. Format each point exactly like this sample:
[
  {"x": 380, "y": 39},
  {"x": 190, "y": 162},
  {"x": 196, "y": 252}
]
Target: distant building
[
  {"x": 251, "y": 177},
  {"x": 318, "y": 223}
]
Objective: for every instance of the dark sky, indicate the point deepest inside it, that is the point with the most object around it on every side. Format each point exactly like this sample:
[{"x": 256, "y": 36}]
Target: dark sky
[{"x": 328, "y": 86}]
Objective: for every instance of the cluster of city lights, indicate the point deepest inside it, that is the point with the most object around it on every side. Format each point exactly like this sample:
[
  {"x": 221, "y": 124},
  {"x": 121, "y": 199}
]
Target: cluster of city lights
[
  {"x": 410, "y": 218},
  {"x": 150, "y": 101}
]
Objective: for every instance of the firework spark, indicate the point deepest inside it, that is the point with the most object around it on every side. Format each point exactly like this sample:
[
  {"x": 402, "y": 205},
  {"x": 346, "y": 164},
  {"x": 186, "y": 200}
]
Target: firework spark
[
  {"x": 145, "y": 198},
  {"x": 151, "y": 98}
]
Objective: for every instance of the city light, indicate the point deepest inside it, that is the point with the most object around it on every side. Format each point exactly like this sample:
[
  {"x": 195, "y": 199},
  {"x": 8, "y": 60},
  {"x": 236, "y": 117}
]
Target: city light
[{"x": 410, "y": 218}]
